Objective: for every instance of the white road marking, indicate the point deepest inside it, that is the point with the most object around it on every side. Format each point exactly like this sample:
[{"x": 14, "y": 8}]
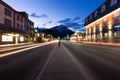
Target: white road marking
[
  {"x": 81, "y": 68},
  {"x": 46, "y": 64}
]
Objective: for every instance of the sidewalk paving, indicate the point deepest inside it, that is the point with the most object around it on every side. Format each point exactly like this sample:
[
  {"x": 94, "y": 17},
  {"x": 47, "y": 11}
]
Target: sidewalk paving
[{"x": 9, "y": 45}]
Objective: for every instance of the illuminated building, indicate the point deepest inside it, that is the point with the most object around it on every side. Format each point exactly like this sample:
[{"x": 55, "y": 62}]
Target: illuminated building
[
  {"x": 15, "y": 27},
  {"x": 104, "y": 23}
]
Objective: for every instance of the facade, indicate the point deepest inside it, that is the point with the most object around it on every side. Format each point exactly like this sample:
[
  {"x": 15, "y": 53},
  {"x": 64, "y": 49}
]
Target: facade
[
  {"x": 15, "y": 27},
  {"x": 104, "y": 23},
  {"x": 78, "y": 36}
]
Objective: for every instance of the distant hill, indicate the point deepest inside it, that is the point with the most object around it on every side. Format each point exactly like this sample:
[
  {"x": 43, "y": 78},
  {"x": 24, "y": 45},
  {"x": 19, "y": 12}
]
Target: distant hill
[{"x": 61, "y": 31}]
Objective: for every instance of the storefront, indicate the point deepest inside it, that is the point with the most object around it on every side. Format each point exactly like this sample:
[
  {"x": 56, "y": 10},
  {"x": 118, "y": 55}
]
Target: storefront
[
  {"x": 116, "y": 33},
  {"x": 10, "y": 35}
]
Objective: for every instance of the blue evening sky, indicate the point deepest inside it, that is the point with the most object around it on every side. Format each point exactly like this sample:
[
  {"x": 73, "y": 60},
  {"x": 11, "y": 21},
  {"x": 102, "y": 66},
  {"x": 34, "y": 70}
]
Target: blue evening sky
[{"x": 49, "y": 13}]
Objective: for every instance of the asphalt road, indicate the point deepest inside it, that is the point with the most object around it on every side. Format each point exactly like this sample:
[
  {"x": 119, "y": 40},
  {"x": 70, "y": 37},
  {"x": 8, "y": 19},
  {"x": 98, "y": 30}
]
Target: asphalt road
[
  {"x": 24, "y": 65},
  {"x": 70, "y": 61},
  {"x": 100, "y": 61}
]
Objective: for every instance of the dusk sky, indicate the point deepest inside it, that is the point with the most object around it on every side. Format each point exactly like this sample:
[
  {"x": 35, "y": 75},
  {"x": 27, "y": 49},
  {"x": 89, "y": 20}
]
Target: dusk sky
[{"x": 49, "y": 13}]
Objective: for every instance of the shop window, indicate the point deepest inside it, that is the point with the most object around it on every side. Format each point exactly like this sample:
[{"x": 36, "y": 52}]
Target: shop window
[
  {"x": 116, "y": 28},
  {"x": 117, "y": 34},
  {"x": 105, "y": 35},
  {"x": 7, "y": 38},
  {"x": 21, "y": 39}
]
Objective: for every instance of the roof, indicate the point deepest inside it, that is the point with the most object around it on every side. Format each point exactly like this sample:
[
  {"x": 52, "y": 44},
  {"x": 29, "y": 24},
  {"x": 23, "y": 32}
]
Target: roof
[{"x": 107, "y": 11}]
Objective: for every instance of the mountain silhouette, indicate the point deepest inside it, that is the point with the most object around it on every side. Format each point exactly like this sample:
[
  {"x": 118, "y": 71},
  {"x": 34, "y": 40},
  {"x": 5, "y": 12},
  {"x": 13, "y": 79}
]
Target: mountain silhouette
[{"x": 58, "y": 31}]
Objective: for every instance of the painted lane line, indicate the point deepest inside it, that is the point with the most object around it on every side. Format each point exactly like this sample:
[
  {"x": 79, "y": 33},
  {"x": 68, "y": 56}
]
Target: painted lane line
[
  {"x": 39, "y": 77},
  {"x": 81, "y": 67}
]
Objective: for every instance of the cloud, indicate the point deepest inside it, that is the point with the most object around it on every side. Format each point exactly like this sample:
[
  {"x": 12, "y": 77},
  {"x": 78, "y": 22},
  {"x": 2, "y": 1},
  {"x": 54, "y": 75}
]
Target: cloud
[
  {"x": 76, "y": 19},
  {"x": 38, "y": 16},
  {"x": 49, "y": 22},
  {"x": 67, "y": 20},
  {"x": 76, "y": 24}
]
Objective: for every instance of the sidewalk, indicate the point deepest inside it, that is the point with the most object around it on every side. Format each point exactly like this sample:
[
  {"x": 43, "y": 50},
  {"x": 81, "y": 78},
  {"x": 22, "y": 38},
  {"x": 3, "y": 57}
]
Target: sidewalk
[
  {"x": 104, "y": 43},
  {"x": 9, "y": 45}
]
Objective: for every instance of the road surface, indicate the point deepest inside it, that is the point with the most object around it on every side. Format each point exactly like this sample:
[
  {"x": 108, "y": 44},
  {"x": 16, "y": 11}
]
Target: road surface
[{"x": 70, "y": 61}]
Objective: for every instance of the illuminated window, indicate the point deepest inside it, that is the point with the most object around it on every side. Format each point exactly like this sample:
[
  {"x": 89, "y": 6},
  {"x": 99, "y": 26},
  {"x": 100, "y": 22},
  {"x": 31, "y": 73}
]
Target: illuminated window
[
  {"x": 21, "y": 39},
  {"x": 117, "y": 33},
  {"x": 113, "y": 2},
  {"x": 116, "y": 28},
  {"x": 105, "y": 35},
  {"x": 7, "y": 38},
  {"x": 103, "y": 8}
]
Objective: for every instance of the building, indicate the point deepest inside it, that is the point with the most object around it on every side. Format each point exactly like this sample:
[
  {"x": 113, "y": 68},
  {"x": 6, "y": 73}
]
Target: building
[
  {"x": 104, "y": 23},
  {"x": 78, "y": 36},
  {"x": 15, "y": 27},
  {"x": 43, "y": 35}
]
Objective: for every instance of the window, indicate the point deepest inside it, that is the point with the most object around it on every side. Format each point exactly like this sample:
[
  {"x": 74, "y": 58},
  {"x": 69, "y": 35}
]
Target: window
[
  {"x": 91, "y": 17},
  {"x": 7, "y": 38},
  {"x": 18, "y": 18},
  {"x": 7, "y": 12},
  {"x": 21, "y": 19},
  {"x": 17, "y": 26},
  {"x": 7, "y": 22},
  {"x": 117, "y": 28},
  {"x": 103, "y": 8},
  {"x": 113, "y": 2},
  {"x": 105, "y": 29},
  {"x": 21, "y": 27},
  {"x": 86, "y": 20},
  {"x": 21, "y": 39},
  {"x": 96, "y": 13}
]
